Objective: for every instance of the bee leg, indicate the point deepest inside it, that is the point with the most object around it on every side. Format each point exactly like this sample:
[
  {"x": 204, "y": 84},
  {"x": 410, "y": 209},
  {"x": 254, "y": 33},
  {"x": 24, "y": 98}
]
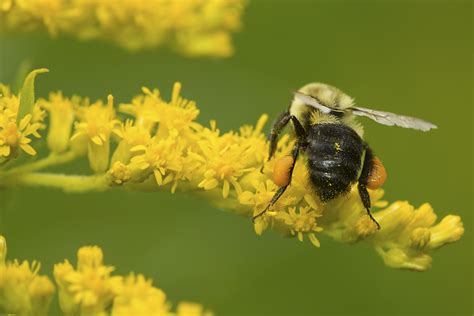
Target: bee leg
[
  {"x": 299, "y": 145},
  {"x": 274, "y": 199},
  {"x": 277, "y": 127},
  {"x": 300, "y": 132},
  {"x": 363, "y": 179}
]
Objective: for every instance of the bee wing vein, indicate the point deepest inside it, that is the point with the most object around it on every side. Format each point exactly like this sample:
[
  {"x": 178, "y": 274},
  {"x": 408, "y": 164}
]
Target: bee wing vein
[
  {"x": 390, "y": 119},
  {"x": 385, "y": 118}
]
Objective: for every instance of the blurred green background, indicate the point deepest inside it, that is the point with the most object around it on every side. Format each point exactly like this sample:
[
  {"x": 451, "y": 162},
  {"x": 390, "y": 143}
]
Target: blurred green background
[{"x": 412, "y": 58}]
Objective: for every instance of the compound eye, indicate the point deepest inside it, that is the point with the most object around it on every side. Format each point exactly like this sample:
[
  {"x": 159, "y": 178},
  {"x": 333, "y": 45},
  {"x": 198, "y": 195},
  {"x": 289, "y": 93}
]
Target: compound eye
[
  {"x": 281, "y": 171},
  {"x": 377, "y": 175}
]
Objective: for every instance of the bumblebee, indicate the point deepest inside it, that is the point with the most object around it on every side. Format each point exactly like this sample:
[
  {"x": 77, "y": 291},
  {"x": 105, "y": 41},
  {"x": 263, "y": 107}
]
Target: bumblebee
[{"x": 323, "y": 119}]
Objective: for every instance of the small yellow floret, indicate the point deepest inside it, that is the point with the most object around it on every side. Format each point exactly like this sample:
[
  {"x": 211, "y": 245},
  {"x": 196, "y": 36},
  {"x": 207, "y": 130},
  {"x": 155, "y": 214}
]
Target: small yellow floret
[
  {"x": 120, "y": 173},
  {"x": 139, "y": 297},
  {"x": 90, "y": 288},
  {"x": 61, "y": 115},
  {"x": 302, "y": 223},
  {"x": 97, "y": 122},
  {"x": 13, "y": 136}
]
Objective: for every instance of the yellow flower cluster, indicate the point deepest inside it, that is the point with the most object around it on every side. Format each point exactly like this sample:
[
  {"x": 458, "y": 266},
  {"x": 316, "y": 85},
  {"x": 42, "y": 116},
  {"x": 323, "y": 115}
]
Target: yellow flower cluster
[
  {"x": 89, "y": 289},
  {"x": 16, "y": 133},
  {"x": 191, "y": 27},
  {"x": 22, "y": 290},
  {"x": 160, "y": 146}
]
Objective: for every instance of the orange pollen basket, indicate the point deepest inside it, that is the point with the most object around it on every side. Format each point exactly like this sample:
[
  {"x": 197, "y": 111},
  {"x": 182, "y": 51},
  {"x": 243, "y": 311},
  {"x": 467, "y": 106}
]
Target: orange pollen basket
[
  {"x": 377, "y": 176},
  {"x": 281, "y": 171}
]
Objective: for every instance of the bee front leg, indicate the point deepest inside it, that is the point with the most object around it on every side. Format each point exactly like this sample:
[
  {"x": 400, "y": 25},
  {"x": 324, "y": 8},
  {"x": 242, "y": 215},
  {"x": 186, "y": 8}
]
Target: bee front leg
[{"x": 277, "y": 127}]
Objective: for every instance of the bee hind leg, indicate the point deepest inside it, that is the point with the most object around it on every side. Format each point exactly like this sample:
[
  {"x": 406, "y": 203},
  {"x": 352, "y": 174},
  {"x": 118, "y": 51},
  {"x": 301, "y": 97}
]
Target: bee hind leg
[
  {"x": 299, "y": 145},
  {"x": 363, "y": 180},
  {"x": 274, "y": 199}
]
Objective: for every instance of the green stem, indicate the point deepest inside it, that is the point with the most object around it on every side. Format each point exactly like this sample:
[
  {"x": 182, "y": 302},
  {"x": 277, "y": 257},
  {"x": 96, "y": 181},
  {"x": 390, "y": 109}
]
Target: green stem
[
  {"x": 68, "y": 183},
  {"x": 52, "y": 159}
]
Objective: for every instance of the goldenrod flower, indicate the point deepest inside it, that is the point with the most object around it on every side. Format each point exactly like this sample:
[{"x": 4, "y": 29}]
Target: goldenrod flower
[
  {"x": 194, "y": 28},
  {"x": 120, "y": 173},
  {"x": 227, "y": 168},
  {"x": 223, "y": 161},
  {"x": 450, "y": 229},
  {"x": 163, "y": 158},
  {"x": 22, "y": 290},
  {"x": 191, "y": 309},
  {"x": 61, "y": 118},
  {"x": 144, "y": 109},
  {"x": 13, "y": 136},
  {"x": 161, "y": 146},
  {"x": 131, "y": 136},
  {"x": 176, "y": 116},
  {"x": 301, "y": 223},
  {"x": 139, "y": 297},
  {"x": 90, "y": 288},
  {"x": 66, "y": 299},
  {"x": 16, "y": 135},
  {"x": 41, "y": 291},
  {"x": 97, "y": 121},
  {"x": 9, "y": 103}
]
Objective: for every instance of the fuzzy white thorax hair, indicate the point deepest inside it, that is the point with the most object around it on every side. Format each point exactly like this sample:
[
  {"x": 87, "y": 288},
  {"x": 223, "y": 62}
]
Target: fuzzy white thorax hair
[{"x": 328, "y": 96}]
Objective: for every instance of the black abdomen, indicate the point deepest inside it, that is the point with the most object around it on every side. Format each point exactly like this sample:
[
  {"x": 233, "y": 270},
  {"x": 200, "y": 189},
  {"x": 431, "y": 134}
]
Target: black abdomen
[{"x": 334, "y": 158}]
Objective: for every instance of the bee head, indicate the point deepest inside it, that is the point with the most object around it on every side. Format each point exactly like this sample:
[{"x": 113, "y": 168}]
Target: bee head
[{"x": 328, "y": 95}]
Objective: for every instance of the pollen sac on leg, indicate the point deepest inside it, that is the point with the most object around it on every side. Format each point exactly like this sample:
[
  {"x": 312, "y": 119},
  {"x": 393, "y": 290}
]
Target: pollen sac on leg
[
  {"x": 281, "y": 171},
  {"x": 377, "y": 175}
]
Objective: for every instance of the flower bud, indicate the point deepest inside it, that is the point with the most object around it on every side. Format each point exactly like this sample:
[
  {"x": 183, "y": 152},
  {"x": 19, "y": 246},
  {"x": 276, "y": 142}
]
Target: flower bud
[
  {"x": 419, "y": 238},
  {"x": 41, "y": 293},
  {"x": 61, "y": 117},
  {"x": 90, "y": 256},
  {"x": 400, "y": 259},
  {"x": 450, "y": 229},
  {"x": 120, "y": 173},
  {"x": 98, "y": 154}
]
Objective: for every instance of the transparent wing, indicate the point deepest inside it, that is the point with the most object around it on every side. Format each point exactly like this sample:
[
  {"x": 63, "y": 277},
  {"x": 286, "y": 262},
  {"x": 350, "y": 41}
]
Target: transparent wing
[
  {"x": 390, "y": 119},
  {"x": 385, "y": 118},
  {"x": 311, "y": 101}
]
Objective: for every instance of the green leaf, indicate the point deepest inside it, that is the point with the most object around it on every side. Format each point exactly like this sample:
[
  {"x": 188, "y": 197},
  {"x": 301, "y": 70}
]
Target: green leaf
[
  {"x": 20, "y": 75},
  {"x": 27, "y": 94}
]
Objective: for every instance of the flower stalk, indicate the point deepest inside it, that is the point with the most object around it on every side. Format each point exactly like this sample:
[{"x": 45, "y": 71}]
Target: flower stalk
[{"x": 161, "y": 146}]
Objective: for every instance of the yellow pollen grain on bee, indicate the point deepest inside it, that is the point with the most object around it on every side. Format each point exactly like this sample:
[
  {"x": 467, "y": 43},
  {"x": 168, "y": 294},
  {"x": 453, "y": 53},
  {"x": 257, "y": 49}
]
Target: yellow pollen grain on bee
[{"x": 337, "y": 146}]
